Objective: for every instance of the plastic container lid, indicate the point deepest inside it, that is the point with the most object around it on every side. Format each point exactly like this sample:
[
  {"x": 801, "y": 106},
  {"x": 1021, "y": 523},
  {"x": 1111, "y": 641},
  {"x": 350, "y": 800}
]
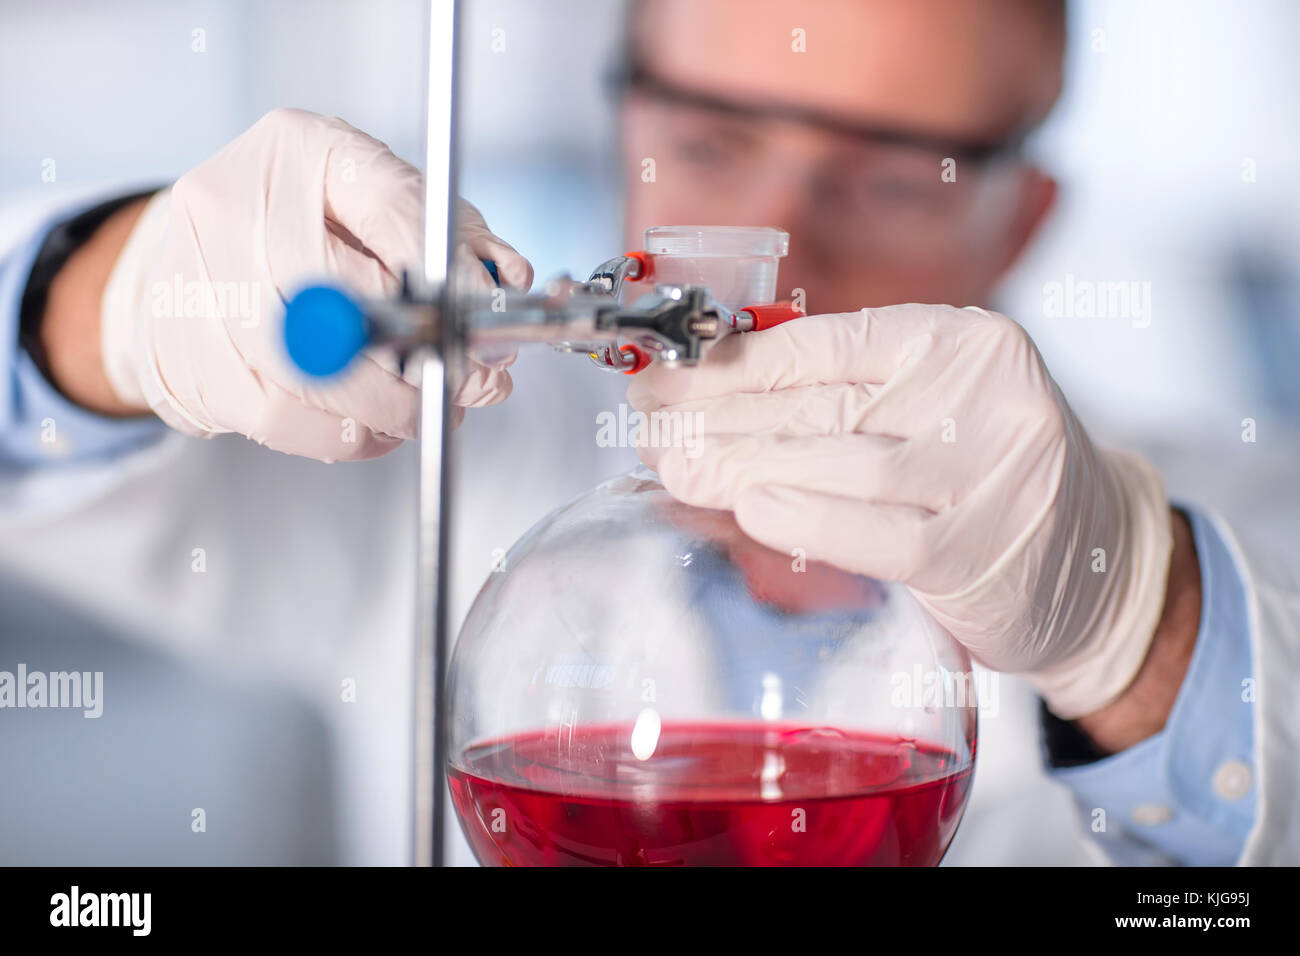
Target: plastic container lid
[{"x": 731, "y": 241}]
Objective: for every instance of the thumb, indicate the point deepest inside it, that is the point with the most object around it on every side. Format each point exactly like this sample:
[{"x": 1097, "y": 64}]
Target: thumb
[
  {"x": 478, "y": 385},
  {"x": 884, "y": 541},
  {"x": 471, "y": 230}
]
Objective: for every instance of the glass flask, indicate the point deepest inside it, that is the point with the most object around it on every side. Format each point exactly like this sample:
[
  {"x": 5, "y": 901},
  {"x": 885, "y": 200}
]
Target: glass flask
[{"x": 641, "y": 684}]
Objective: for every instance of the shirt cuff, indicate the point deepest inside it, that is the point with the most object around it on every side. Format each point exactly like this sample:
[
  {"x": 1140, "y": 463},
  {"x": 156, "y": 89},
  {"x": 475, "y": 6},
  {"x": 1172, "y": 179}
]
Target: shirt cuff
[
  {"x": 1188, "y": 793},
  {"x": 48, "y": 429},
  {"x": 38, "y": 425}
]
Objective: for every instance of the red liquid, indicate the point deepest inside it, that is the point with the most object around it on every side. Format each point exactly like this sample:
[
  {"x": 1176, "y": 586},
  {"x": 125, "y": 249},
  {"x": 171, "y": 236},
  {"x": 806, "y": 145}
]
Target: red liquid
[{"x": 711, "y": 795}]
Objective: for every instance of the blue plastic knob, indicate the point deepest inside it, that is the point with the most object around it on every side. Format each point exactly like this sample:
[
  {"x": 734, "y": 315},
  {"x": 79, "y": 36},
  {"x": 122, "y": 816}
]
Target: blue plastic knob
[{"x": 324, "y": 330}]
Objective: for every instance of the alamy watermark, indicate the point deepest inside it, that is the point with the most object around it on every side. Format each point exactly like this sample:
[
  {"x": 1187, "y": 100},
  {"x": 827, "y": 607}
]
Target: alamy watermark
[
  {"x": 75, "y": 908},
  {"x": 83, "y": 690},
  {"x": 935, "y": 688},
  {"x": 205, "y": 299},
  {"x": 1086, "y": 299},
  {"x": 628, "y": 428}
]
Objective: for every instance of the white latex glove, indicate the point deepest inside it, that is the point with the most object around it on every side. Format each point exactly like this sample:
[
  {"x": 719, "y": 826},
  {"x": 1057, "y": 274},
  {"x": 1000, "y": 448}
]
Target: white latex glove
[
  {"x": 929, "y": 445},
  {"x": 192, "y": 314}
]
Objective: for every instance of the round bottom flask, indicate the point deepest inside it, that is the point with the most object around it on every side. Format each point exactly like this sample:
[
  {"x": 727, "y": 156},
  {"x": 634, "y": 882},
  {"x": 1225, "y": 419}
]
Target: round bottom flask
[{"x": 641, "y": 684}]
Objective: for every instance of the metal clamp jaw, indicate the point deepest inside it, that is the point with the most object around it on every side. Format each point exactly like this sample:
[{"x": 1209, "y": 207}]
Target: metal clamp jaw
[
  {"x": 671, "y": 325},
  {"x": 609, "y": 277}
]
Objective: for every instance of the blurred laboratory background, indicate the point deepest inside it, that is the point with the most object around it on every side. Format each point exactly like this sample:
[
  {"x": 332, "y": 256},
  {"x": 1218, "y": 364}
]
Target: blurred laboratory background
[{"x": 1178, "y": 152}]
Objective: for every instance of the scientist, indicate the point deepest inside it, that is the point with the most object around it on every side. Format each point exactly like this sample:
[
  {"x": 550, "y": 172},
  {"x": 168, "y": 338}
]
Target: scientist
[
  {"x": 928, "y": 444},
  {"x": 921, "y": 443}
]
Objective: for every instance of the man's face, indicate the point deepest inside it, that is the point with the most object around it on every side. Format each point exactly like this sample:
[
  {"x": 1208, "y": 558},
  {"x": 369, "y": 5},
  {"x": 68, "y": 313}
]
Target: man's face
[{"x": 762, "y": 113}]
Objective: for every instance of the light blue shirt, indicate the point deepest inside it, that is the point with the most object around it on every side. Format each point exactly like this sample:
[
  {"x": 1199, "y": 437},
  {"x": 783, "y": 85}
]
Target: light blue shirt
[
  {"x": 1172, "y": 775},
  {"x": 38, "y": 426}
]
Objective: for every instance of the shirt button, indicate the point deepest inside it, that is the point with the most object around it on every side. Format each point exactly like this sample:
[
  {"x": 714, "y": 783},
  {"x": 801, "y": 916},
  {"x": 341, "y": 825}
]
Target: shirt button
[
  {"x": 1152, "y": 814},
  {"x": 1233, "y": 780}
]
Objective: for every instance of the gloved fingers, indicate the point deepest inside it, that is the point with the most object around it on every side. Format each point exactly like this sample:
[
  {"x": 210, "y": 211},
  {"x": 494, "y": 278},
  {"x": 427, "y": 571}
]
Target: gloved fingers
[
  {"x": 484, "y": 382},
  {"x": 983, "y": 386},
  {"x": 868, "y": 346},
  {"x": 368, "y": 394},
  {"x": 282, "y": 422},
  {"x": 474, "y": 386},
  {"x": 386, "y": 357},
  {"x": 479, "y": 385},
  {"x": 468, "y": 263},
  {"x": 375, "y": 196},
  {"x": 495, "y": 357},
  {"x": 714, "y": 471},
  {"x": 929, "y": 438},
  {"x": 260, "y": 343},
  {"x": 650, "y": 455},
  {"x": 468, "y": 272},
  {"x": 372, "y": 390},
  {"x": 886, "y": 541},
  {"x": 356, "y": 269},
  {"x": 805, "y": 410},
  {"x": 473, "y": 232},
  {"x": 932, "y": 450}
]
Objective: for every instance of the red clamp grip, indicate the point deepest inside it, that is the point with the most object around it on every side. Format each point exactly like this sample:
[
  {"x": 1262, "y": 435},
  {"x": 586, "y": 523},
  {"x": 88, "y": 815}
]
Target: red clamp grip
[
  {"x": 640, "y": 356},
  {"x": 647, "y": 265},
  {"x": 767, "y": 316}
]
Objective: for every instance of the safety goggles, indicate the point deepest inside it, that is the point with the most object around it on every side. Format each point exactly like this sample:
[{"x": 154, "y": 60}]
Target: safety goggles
[{"x": 634, "y": 77}]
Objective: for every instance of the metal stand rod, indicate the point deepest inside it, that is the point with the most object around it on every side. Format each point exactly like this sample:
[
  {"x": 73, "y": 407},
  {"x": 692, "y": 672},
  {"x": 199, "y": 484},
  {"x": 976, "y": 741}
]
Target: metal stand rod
[
  {"x": 431, "y": 642},
  {"x": 430, "y": 730}
]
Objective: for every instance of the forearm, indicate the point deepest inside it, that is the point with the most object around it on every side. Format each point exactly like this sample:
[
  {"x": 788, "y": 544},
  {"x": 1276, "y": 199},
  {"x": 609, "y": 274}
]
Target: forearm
[
  {"x": 1142, "y": 709},
  {"x": 70, "y": 325}
]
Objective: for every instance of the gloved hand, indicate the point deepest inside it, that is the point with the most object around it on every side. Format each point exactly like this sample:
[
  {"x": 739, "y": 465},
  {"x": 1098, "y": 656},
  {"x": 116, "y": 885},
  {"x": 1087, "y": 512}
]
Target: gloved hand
[
  {"x": 191, "y": 319},
  {"x": 929, "y": 445}
]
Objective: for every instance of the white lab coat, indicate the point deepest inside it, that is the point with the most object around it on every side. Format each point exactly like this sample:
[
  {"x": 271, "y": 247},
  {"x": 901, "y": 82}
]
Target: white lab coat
[
  {"x": 1275, "y": 612},
  {"x": 307, "y": 581}
]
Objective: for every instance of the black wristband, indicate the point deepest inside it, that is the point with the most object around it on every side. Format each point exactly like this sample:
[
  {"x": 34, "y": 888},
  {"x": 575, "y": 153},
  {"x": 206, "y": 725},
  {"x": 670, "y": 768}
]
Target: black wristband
[
  {"x": 1064, "y": 744},
  {"x": 63, "y": 240}
]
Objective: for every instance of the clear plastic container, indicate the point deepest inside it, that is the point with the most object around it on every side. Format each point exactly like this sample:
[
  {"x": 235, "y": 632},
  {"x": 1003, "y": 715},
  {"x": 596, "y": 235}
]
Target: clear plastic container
[{"x": 738, "y": 264}]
